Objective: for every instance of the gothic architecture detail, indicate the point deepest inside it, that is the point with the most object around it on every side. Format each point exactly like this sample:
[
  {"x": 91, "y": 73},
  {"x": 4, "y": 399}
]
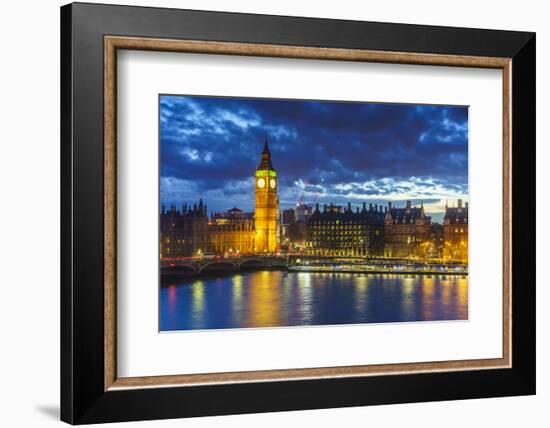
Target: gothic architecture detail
[
  {"x": 184, "y": 232},
  {"x": 266, "y": 208},
  {"x": 189, "y": 231}
]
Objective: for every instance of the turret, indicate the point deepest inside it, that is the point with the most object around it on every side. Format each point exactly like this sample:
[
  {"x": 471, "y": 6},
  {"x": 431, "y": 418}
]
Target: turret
[
  {"x": 388, "y": 219},
  {"x": 265, "y": 160}
]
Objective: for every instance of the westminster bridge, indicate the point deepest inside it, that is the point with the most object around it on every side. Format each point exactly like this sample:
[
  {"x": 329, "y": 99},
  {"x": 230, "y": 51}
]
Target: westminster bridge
[
  {"x": 221, "y": 264},
  {"x": 308, "y": 263}
]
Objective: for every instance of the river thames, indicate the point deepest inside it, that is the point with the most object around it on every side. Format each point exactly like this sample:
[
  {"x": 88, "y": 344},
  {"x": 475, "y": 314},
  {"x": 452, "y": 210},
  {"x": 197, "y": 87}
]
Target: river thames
[{"x": 279, "y": 298}]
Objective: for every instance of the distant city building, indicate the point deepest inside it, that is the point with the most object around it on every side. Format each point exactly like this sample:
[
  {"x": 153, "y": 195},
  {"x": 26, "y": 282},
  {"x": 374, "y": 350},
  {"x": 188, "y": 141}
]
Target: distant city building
[
  {"x": 293, "y": 226},
  {"x": 288, "y": 216},
  {"x": 406, "y": 231},
  {"x": 455, "y": 232},
  {"x": 336, "y": 232},
  {"x": 303, "y": 212}
]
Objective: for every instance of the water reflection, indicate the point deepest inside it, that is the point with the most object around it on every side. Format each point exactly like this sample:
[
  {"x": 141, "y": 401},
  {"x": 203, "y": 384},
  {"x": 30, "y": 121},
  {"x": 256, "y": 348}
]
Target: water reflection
[
  {"x": 427, "y": 293},
  {"x": 197, "y": 308},
  {"x": 304, "y": 303},
  {"x": 361, "y": 284},
  {"x": 264, "y": 304},
  {"x": 275, "y": 298}
]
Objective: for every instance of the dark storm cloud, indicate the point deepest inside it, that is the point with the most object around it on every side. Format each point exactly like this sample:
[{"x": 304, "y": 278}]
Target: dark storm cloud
[{"x": 326, "y": 150}]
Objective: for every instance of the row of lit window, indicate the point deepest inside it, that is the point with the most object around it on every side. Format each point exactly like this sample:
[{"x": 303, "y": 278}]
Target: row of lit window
[
  {"x": 342, "y": 231},
  {"x": 339, "y": 226},
  {"x": 182, "y": 241},
  {"x": 337, "y": 233},
  {"x": 339, "y": 244}
]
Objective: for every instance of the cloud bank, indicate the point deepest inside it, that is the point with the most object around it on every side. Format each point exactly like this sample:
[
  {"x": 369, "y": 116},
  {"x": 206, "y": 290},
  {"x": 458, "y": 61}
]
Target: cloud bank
[{"x": 324, "y": 151}]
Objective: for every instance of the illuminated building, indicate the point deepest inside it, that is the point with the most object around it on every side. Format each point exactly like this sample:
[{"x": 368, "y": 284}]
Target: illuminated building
[
  {"x": 433, "y": 249},
  {"x": 231, "y": 232},
  {"x": 232, "y": 215},
  {"x": 406, "y": 231},
  {"x": 337, "y": 232},
  {"x": 266, "y": 207},
  {"x": 184, "y": 232},
  {"x": 189, "y": 232},
  {"x": 455, "y": 232}
]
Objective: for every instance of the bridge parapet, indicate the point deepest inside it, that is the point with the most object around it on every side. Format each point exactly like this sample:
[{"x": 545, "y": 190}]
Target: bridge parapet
[{"x": 198, "y": 265}]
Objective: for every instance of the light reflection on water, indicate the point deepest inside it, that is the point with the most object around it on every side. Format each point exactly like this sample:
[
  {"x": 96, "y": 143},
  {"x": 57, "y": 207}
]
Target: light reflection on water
[{"x": 275, "y": 298}]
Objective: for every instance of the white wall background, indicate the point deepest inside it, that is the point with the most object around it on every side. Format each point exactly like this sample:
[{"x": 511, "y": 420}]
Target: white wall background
[{"x": 29, "y": 213}]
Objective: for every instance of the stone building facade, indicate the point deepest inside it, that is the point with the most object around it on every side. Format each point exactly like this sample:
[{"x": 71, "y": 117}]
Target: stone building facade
[
  {"x": 184, "y": 232},
  {"x": 231, "y": 232},
  {"x": 455, "y": 232},
  {"x": 334, "y": 231},
  {"x": 406, "y": 231}
]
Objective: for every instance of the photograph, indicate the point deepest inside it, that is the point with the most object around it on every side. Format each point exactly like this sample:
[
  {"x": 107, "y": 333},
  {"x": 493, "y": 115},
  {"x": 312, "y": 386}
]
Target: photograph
[{"x": 284, "y": 212}]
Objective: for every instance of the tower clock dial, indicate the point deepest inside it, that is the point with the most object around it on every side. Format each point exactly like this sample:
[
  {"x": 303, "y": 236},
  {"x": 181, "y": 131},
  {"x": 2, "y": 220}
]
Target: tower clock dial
[
  {"x": 261, "y": 183},
  {"x": 272, "y": 183}
]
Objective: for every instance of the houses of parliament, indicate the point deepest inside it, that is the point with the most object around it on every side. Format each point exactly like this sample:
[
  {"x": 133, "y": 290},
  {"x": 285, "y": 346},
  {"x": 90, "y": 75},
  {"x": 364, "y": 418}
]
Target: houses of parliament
[
  {"x": 331, "y": 230},
  {"x": 191, "y": 231}
]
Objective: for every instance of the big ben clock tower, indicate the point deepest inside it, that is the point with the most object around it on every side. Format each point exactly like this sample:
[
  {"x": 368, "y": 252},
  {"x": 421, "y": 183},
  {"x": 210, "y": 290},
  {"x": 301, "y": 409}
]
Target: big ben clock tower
[{"x": 265, "y": 215}]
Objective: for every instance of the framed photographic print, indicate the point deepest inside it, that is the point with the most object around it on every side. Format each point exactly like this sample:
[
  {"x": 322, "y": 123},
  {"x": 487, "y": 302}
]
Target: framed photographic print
[{"x": 265, "y": 213}]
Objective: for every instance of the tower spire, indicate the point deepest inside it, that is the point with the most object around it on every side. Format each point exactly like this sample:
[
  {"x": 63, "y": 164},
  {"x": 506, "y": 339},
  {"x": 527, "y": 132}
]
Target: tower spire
[{"x": 265, "y": 162}]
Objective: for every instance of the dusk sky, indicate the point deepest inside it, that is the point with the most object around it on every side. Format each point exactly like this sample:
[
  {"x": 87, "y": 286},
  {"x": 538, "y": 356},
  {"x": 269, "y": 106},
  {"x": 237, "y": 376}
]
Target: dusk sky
[{"x": 327, "y": 151}]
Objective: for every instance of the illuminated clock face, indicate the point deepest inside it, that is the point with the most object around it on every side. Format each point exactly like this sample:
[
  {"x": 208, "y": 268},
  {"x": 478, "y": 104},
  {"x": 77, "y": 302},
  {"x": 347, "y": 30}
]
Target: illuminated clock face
[
  {"x": 272, "y": 183},
  {"x": 261, "y": 183}
]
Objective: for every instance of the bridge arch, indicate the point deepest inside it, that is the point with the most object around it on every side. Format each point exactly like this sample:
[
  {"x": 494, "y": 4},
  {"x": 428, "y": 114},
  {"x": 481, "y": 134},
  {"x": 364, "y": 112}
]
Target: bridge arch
[
  {"x": 180, "y": 268},
  {"x": 252, "y": 262},
  {"x": 217, "y": 263}
]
